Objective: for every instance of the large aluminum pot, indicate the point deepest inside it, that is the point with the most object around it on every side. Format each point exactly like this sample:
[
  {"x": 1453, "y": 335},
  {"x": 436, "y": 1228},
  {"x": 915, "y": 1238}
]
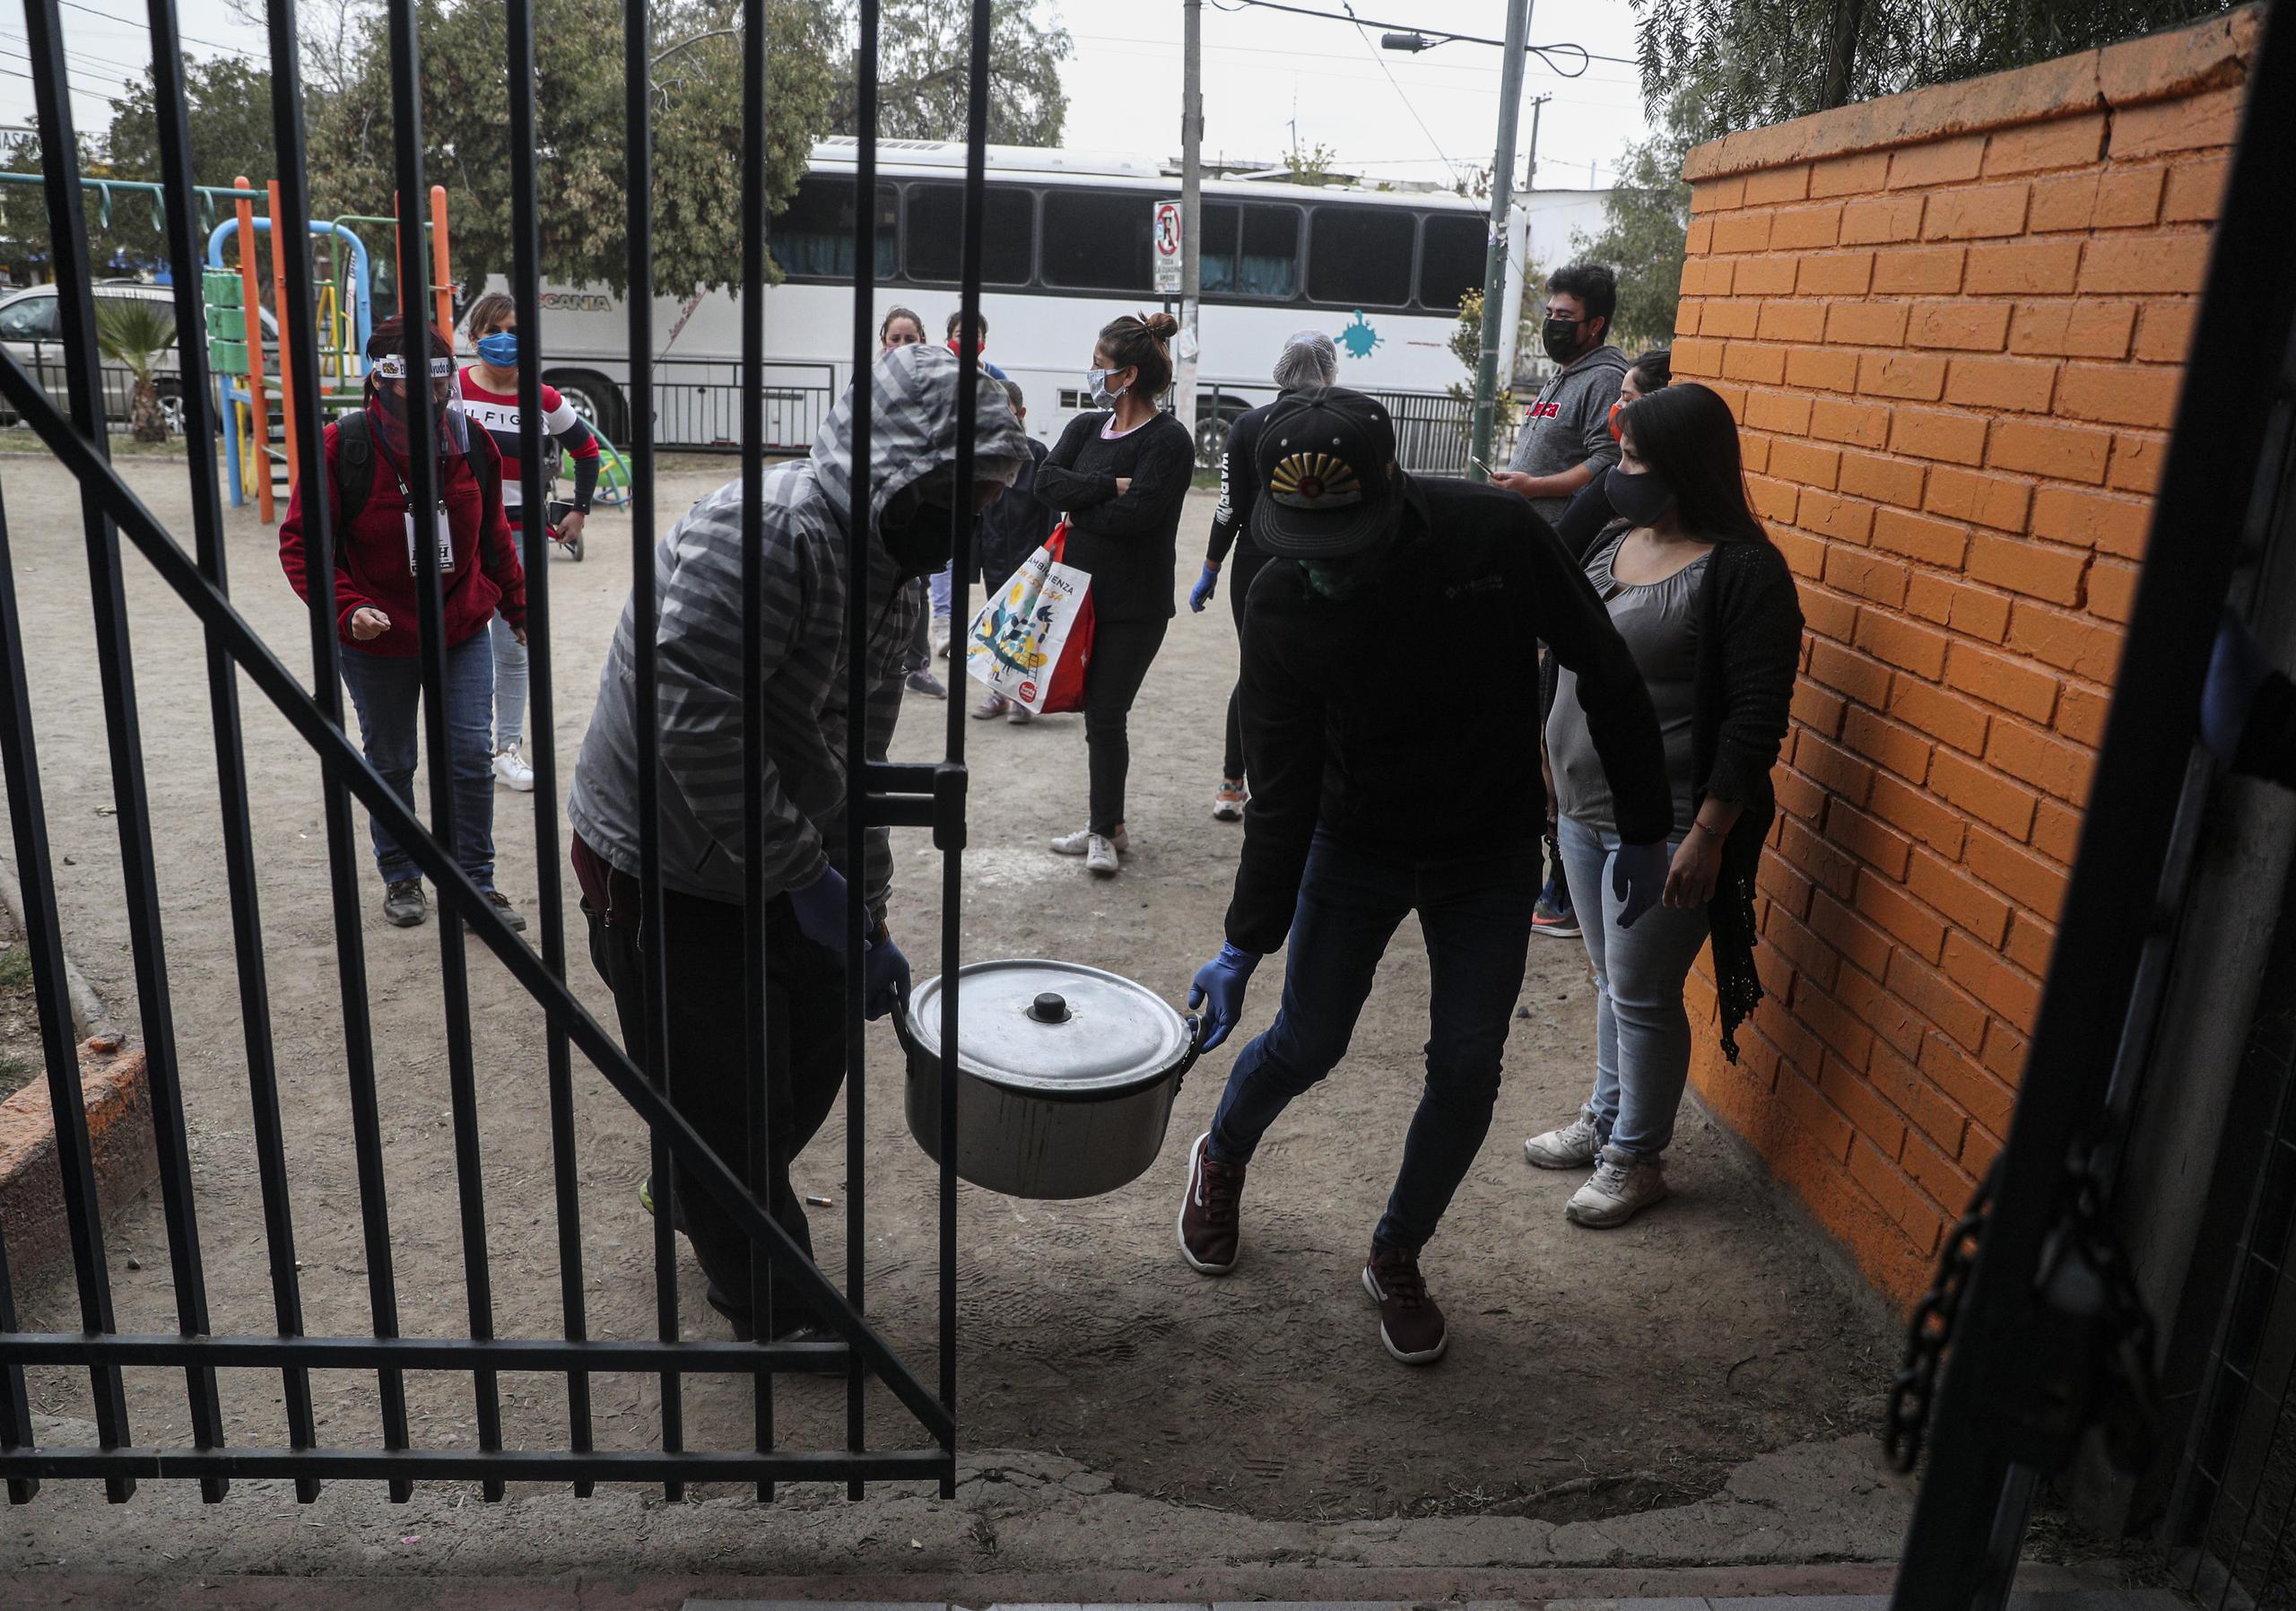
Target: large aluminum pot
[{"x": 1064, "y": 1079}]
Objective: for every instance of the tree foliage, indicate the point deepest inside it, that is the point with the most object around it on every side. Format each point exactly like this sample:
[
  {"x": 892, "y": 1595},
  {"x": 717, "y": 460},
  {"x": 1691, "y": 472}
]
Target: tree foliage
[
  {"x": 135, "y": 334},
  {"x": 924, "y": 52},
  {"x": 583, "y": 168},
  {"x": 1645, "y": 223},
  {"x": 1741, "y": 64},
  {"x": 228, "y": 99}
]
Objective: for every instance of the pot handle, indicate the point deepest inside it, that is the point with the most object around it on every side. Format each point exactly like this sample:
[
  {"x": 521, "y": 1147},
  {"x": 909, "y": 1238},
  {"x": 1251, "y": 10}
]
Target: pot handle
[
  {"x": 1195, "y": 1050},
  {"x": 899, "y": 1016}
]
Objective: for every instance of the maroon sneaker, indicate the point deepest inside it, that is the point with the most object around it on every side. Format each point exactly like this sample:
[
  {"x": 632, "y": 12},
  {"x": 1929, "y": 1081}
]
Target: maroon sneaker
[
  {"x": 1411, "y": 1324},
  {"x": 1208, "y": 1224}
]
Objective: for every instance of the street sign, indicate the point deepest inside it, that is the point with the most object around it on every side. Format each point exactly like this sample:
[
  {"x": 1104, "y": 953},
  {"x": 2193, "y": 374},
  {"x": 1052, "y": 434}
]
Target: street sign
[{"x": 1166, "y": 239}]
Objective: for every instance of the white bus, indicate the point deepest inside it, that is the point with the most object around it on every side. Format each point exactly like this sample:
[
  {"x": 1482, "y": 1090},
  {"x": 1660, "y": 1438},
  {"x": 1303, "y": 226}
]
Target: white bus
[{"x": 1068, "y": 247}]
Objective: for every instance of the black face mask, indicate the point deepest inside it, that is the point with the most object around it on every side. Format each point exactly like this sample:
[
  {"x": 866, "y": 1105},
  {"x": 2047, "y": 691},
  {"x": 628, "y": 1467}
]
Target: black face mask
[
  {"x": 1642, "y": 497},
  {"x": 916, "y": 532},
  {"x": 1340, "y": 579},
  {"x": 1564, "y": 339}
]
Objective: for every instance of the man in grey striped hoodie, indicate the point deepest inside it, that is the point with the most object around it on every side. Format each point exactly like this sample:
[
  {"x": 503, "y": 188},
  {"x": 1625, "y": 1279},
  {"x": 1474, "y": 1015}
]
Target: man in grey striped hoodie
[{"x": 697, "y": 712}]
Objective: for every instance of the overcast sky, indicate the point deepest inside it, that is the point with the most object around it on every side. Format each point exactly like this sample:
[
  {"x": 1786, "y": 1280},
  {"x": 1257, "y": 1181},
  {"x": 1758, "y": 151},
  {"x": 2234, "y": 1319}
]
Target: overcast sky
[{"x": 1386, "y": 113}]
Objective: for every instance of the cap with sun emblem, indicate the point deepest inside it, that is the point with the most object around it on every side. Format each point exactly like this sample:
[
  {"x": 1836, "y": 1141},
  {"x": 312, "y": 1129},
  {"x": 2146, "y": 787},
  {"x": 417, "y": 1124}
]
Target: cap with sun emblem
[{"x": 1323, "y": 464}]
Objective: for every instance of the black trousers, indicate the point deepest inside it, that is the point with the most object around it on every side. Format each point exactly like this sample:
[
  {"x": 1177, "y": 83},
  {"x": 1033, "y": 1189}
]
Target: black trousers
[
  {"x": 805, "y": 1068},
  {"x": 1243, "y": 564},
  {"x": 1122, "y": 653}
]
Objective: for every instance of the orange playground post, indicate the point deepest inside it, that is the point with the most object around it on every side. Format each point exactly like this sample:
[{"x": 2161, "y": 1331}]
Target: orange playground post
[
  {"x": 251, "y": 279},
  {"x": 286, "y": 358},
  {"x": 442, "y": 287}
]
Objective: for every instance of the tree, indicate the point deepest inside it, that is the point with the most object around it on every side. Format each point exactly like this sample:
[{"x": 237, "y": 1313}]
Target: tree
[
  {"x": 1466, "y": 346},
  {"x": 1645, "y": 222},
  {"x": 1741, "y": 64},
  {"x": 583, "y": 167},
  {"x": 1313, "y": 166},
  {"x": 229, "y": 101},
  {"x": 135, "y": 334},
  {"x": 923, "y": 55},
  {"x": 24, "y": 241}
]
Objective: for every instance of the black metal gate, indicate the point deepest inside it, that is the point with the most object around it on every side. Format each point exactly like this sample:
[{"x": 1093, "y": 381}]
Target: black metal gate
[{"x": 878, "y": 795}]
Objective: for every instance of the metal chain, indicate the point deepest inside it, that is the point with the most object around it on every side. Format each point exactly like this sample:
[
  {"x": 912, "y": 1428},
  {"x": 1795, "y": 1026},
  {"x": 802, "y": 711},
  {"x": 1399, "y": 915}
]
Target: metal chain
[{"x": 1930, "y": 1328}]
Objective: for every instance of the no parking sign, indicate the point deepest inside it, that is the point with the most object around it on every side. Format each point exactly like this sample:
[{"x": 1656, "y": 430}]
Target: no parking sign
[{"x": 1166, "y": 239}]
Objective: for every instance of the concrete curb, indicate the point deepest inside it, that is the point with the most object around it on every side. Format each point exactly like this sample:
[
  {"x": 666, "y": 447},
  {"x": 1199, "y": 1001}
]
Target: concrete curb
[
  {"x": 116, "y": 1090},
  {"x": 88, "y": 1019}
]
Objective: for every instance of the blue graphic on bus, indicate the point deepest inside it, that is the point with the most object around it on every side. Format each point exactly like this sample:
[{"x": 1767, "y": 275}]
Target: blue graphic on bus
[{"x": 1358, "y": 339}]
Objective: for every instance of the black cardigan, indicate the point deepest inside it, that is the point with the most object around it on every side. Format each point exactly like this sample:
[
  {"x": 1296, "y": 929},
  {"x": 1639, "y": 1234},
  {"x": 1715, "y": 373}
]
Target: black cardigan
[
  {"x": 1126, "y": 543},
  {"x": 1749, "y": 650}
]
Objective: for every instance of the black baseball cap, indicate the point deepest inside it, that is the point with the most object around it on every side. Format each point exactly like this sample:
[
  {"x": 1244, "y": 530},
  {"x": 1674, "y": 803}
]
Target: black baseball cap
[{"x": 1326, "y": 489}]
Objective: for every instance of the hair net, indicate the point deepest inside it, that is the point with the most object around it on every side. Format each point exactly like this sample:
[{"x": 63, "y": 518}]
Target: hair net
[{"x": 1308, "y": 358}]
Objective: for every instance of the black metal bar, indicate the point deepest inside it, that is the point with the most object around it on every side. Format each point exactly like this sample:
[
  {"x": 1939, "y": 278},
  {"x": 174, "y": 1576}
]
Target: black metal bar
[
  {"x": 2201, "y": 515},
  {"x": 859, "y": 534},
  {"x": 115, "y": 659},
  {"x": 638, "y": 143},
  {"x": 494, "y": 1468},
  {"x": 759, "y": 1058},
  {"x": 961, "y": 526},
  {"x": 296, "y": 317},
  {"x": 417, "y": 1353},
  {"x": 15, "y": 1409},
  {"x": 549, "y": 911},
  {"x": 424, "y": 474}
]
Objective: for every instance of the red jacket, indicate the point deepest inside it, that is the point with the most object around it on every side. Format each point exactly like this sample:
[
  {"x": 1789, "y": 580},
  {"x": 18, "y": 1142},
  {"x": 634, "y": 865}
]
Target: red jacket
[{"x": 370, "y": 562}]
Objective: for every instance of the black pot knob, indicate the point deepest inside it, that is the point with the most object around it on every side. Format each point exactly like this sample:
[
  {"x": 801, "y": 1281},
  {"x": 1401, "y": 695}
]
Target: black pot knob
[{"x": 1050, "y": 1008}]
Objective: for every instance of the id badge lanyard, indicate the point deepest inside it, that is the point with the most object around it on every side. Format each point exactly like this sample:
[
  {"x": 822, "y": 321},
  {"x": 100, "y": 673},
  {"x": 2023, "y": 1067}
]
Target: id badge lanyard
[{"x": 443, "y": 533}]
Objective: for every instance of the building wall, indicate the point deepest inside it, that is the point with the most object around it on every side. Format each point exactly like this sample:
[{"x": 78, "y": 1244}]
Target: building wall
[{"x": 1951, "y": 325}]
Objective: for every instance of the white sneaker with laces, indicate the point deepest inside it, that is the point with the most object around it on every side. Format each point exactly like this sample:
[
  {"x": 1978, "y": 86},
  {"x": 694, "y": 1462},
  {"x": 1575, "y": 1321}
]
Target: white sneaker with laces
[
  {"x": 1080, "y": 843},
  {"x": 1621, "y": 1187},
  {"x": 1101, "y": 857},
  {"x": 1018, "y": 714},
  {"x": 1573, "y": 1147},
  {"x": 991, "y": 707},
  {"x": 511, "y": 766}
]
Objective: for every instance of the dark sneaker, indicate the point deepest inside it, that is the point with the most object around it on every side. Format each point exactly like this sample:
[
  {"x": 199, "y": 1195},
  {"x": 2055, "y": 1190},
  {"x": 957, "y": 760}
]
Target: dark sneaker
[
  {"x": 802, "y": 1329},
  {"x": 1211, "y": 1212},
  {"x": 925, "y": 682},
  {"x": 503, "y": 909},
  {"x": 402, "y": 904},
  {"x": 1557, "y": 919},
  {"x": 1411, "y": 1324}
]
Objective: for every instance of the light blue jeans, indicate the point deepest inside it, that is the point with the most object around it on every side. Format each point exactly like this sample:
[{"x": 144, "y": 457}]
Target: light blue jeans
[
  {"x": 939, "y": 585},
  {"x": 1642, "y": 1032},
  {"x": 509, "y": 683}
]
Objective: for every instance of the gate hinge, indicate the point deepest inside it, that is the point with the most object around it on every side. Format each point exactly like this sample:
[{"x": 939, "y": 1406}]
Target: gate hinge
[{"x": 917, "y": 795}]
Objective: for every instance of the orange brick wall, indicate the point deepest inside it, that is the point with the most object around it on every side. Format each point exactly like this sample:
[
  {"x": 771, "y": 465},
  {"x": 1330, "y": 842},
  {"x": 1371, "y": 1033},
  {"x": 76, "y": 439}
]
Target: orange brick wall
[{"x": 1951, "y": 325}]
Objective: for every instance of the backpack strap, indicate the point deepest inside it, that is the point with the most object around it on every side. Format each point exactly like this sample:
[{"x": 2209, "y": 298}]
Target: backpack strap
[{"x": 354, "y": 472}]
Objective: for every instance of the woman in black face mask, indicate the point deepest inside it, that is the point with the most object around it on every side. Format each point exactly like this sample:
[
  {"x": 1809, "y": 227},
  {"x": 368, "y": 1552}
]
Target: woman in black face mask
[{"x": 1708, "y": 609}]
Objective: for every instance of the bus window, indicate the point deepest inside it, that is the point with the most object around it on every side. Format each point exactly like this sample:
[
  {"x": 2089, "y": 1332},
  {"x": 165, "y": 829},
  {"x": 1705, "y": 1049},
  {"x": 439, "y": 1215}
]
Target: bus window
[
  {"x": 931, "y": 242},
  {"x": 1451, "y": 258},
  {"x": 1265, "y": 262},
  {"x": 1360, "y": 256},
  {"x": 1098, "y": 240},
  {"x": 813, "y": 237}
]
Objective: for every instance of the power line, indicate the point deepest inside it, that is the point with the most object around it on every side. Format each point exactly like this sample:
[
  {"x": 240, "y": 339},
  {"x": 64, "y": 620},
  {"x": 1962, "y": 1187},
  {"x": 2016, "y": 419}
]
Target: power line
[
  {"x": 1546, "y": 53},
  {"x": 145, "y": 29},
  {"x": 1407, "y": 107}
]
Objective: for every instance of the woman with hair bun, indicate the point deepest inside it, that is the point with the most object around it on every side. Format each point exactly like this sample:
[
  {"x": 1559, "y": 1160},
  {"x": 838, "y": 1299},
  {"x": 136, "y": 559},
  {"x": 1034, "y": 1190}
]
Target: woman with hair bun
[{"x": 1121, "y": 472}]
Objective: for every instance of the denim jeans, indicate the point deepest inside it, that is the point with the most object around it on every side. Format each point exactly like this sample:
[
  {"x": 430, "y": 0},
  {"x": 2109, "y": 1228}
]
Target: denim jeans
[
  {"x": 509, "y": 683},
  {"x": 938, "y": 588},
  {"x": 1641, "y": 1033},
  {"x": 386, "y": 690},
  {"x": 919, "y": 656},
  {"x": 1477, "y": 918}
]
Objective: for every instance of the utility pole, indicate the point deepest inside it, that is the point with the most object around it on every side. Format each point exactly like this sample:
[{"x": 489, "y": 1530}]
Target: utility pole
[
  {"x": 1191, "y": 212},
  {"x": 1531, "y": 169},
  {"x": 1494, "y": 268}
]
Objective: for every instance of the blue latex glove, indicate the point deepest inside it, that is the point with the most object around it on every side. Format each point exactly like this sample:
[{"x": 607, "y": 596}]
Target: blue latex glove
[
  {"x": 820, "y": 909},
  {"x": 1219, "y": 988},
  {"x": 1205, "y": 586},
  {"x": 1638, "y": 878},
  {"x": 2237, "y": 667},
  {"x": 884, "y": 977}
]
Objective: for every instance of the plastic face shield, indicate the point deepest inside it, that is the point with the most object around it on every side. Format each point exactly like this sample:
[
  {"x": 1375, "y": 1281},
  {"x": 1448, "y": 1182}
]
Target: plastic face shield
[{"x": 387, "y": 378}]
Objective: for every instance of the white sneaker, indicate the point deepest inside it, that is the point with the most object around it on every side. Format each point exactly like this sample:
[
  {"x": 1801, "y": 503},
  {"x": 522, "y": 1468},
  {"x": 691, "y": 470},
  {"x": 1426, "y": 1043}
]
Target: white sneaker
[
  {"x": 1080, "y": 843},
  {"x": 1018, "y": 714},
  {"x": 1102, "y": 858},
  {"x": 1573, "y": 1147},
  {"x": 991, "y": 707},
  {"x": 1621, "y": 1187},
  {"x": 511, "y": 766},
  {"x": 941, "y": 636},
  {"x": 1228, "y": 801}
]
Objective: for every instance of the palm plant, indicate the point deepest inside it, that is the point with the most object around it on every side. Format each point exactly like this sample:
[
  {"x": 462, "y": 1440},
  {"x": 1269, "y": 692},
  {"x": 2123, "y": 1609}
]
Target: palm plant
[{"x": 136, "y": 333}]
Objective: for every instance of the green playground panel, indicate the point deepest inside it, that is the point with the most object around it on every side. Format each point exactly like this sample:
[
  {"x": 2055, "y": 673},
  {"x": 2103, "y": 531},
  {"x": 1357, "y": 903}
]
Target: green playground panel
[{"x": 227, "y": 357}]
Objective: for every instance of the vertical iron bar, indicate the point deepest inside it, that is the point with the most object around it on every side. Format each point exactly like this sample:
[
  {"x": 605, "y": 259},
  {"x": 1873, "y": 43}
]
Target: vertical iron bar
[
  {"x": 15, "y": 1409},
  {"x": 170, "y": 104},
  {"x": 75, "y": 304},
  {"x": 961, "y": 564},
  {"x": 858, "y": 548},
  {"x": 760, "y": 1055},
  {"x": 424, "y": 473},
  {"x": 638, "y": 143},
  {"x": 526, "y": 277}
]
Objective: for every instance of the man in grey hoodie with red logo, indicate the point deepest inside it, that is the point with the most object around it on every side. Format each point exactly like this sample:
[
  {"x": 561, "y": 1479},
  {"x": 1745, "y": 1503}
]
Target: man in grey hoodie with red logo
[{"x": 1566, "y": 440}]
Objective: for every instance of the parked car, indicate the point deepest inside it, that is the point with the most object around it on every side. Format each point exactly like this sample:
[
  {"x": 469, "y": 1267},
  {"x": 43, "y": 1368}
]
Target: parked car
[{"x": 32, "y": 330}]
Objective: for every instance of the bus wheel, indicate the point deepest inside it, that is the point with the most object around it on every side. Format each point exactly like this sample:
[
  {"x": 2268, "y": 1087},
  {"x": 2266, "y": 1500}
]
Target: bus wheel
[{"x": 595, "y": 398}]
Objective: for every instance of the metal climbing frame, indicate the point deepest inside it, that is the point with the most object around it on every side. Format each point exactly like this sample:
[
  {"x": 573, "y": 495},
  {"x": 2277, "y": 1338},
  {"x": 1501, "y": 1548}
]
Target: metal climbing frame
[{"x": 913, "y": 795}]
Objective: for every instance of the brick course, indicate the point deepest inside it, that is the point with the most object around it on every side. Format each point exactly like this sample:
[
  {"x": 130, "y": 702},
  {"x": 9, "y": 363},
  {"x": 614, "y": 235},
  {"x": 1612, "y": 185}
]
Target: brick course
[{"x": 1953, "y": 324}]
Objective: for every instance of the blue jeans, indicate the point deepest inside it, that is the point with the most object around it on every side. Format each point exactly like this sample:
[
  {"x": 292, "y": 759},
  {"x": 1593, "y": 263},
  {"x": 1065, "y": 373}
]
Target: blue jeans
[
  {"x": 386, "y": 690},
  {"x": 938, "y": 587},
  {"x": 1641, "y": 1033},
  {"x": 1477, "y": 918},
  {"x": 509, "y": 683}
]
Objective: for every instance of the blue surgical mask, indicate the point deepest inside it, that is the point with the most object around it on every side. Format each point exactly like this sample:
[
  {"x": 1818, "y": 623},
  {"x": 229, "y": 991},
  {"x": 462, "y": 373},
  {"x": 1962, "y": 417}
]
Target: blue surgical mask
[
  {"x": 499, "y": 350},
  {"x": 1096, "y": 381}
]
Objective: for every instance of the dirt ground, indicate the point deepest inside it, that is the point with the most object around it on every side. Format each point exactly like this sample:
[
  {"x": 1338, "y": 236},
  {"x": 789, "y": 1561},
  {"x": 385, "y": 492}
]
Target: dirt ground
[
  {"x": 1590, "y": 1373},
  {"x": 19, "y": 1054}
]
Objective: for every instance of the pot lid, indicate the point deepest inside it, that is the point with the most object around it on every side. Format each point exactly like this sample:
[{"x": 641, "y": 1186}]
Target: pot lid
[{"x": 1058, "y": 1028}]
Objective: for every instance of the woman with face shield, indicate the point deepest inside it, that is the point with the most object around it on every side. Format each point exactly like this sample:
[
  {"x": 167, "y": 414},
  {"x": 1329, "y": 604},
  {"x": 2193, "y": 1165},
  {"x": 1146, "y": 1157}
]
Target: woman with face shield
[
  {"x": 368, "y": 489},
  {"x": 1121, "y": 471}
]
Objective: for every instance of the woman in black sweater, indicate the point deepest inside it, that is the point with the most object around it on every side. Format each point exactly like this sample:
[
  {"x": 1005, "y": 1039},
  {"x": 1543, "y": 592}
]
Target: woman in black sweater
[
  {"x": 1710, "y": 611},
  {"x": 1122, "y": 473}
]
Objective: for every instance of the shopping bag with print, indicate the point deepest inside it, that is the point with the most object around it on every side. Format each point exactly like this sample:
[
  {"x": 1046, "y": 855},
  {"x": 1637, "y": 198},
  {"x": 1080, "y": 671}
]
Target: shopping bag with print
[{"x": 1032, "y": 638}]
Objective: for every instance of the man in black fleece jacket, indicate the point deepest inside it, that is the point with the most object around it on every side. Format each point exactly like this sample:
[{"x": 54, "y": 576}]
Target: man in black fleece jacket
[{"x": 1390, "y": 696}]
